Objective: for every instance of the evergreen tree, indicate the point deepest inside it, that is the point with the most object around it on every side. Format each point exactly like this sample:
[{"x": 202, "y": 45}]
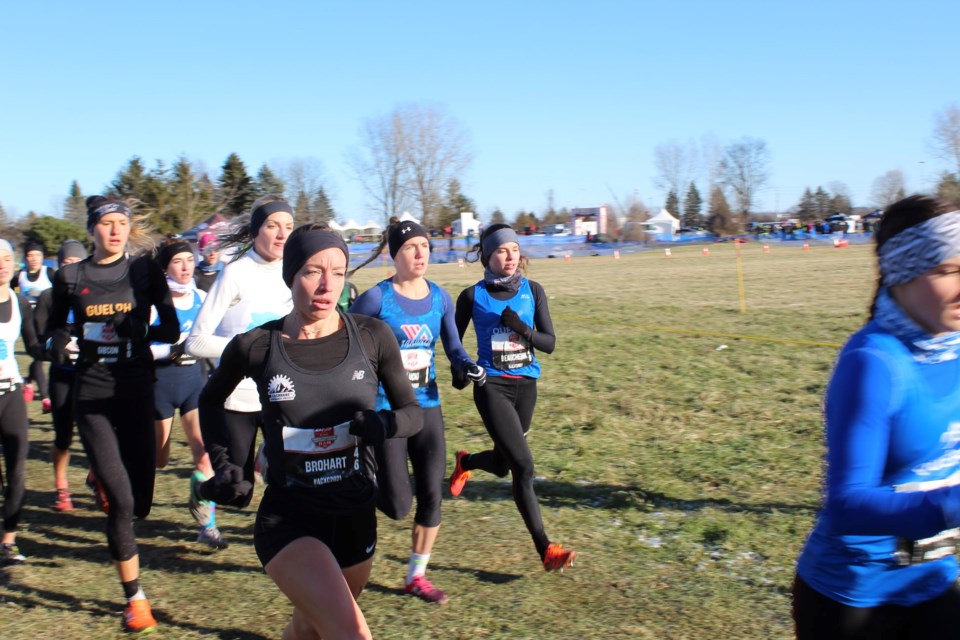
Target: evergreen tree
[
  {"x": 268, "y": 182},
  {"x": 236, "y": 192},
  {"x": 3, "y": 217},
  {"x": 130, "y": 182},
  {"x": 840, "y": 203},
  {"x": 692, "y": 208},
  {"x": 821, "y": 201},
  {"x": 672, "y": 204},
  {"x": 302, "y": 208},
  {"x": 807, "y": 207},
  {"x": 497, "y": 217},
  {"x": 454, "y": 203},
  {"x": 190, "y": 200},
  {"x": 949, "y": 187},
  {"x": 50, "y": 232},
  {"x": 524, "y": 219},
  {"x": 719, "y": 216},
  {"x": 75, "y": 206},
  {"x": 322, "y": 209}
]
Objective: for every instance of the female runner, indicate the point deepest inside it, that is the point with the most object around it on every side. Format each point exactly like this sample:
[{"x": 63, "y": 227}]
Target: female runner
[
  {"x": 418, "y": 311},
  {"x": 111, "y": 295},
  {"x": 881, "y": 559},
  {"x": 248, "y": 292},
  {"x": 61, "y": 383},
  {"x": 317, "y": 371},
  {"x": 511, "y": 319},
  {"x": 179, "y": 381},
  {"x": 16, "y": 320}
]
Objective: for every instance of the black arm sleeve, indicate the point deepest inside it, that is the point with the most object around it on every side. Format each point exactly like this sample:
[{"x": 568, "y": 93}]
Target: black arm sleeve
[
  {"x": 168, "y": 329},
  {"x": 464, "y": 311},
  {"x": 544, "y": 338},
  {"x": 59, "y": 304},
  {"x": 235, "y": 365},
  {"x": 28, "y": 330},
  {"x": 405, "y": 417}
]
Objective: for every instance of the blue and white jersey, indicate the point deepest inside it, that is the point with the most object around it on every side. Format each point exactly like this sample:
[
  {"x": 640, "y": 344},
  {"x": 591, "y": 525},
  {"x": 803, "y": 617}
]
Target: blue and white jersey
[
  {"x": 417, "y": 336},
  {"x": 893, "y": 473},
  {"x": 500, "y": 349}
]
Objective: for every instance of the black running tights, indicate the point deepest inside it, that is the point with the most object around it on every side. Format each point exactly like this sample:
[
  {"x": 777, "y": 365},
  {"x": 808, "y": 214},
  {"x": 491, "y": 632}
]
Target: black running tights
[
  {"x": 13, "y": 438},
  {"x": 506, "y": 407}
]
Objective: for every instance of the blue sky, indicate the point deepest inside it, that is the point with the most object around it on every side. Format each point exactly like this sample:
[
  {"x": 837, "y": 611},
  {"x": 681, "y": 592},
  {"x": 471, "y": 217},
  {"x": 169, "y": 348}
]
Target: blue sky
[{"x": 571, "y": 97}]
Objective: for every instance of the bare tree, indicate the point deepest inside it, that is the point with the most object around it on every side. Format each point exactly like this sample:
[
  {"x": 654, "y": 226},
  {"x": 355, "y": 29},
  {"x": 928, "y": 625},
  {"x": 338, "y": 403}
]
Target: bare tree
[
  {"x": 946, "y": 135},
  {"x": 435, "y": 153},
  {"x": 379, "y": 163},
  {"x": 888, "y": 188},
  {"x": 676, "y": 164},
  {"x": 744, "y": 169}
]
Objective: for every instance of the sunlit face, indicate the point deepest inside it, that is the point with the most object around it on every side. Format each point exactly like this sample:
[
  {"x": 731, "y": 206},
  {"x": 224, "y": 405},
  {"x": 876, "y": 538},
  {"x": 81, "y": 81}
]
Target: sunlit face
[
  {"x": 34, "y": 260},
  {"x": 110, "y": 235},
  {"x": 181, "y": 267},
  {"x": 505, "y": 260},
  {"x": 412, "y": 258},
  {"x": 272, "y": 235},
  {"x": 212, "y": 256},
  {"x": 932, "y": 299},
  {"x": 317, "y": 286},
  {"x": 7, "y": 267}
]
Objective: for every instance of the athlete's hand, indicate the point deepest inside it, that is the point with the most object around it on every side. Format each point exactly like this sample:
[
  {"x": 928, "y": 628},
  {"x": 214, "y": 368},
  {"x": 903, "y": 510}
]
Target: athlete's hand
[
  {"x": 178, "y": 351},
  {"x": 57, "y": 347},
  {"x": 227, "y": 486},
  {"x": 510, "y": 319},
  {"x": 369, "y": 427},
  {"x": 129, "y": 326},
  {"x": 476, "y": 374}
]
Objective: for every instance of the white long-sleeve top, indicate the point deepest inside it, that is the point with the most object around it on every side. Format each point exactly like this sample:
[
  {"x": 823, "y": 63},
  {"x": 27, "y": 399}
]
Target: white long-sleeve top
[{"x": 249, "y": 292}]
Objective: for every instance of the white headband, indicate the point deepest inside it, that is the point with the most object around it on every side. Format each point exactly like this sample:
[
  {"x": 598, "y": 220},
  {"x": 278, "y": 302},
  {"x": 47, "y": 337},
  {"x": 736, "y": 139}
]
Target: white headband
[
  {"x": 5, "y": 245},
  {"x": 919, "y": 248}
]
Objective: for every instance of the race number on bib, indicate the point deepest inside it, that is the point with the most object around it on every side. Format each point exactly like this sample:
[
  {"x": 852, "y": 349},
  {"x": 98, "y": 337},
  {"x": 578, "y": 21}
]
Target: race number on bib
[
  {"x": 102, "y": 344},
  {"x": 417, "y": 364},
  {"x": 319, "y": 456},
  {"x": 510, "y": 351}
]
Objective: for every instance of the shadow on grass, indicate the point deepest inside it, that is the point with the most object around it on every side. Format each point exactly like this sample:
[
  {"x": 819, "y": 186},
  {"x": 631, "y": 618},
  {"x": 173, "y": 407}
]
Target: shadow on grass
[
  {"x": 607, "y": 496},
  {"x": 491, "y": 577},
  {"x": 18, "y": 595}
]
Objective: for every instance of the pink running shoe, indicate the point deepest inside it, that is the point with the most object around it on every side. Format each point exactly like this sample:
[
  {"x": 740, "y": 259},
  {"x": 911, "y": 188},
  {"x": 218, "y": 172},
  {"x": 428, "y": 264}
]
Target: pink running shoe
[{"x": 422, "y": 588}]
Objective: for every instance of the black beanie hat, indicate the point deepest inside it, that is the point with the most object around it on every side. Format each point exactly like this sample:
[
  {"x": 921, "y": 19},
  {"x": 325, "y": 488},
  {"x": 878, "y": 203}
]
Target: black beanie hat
[
  {"x": 400, "y": 232},
  {"x": 33, "y": 246},
  {"x": 167, "y": 251}
]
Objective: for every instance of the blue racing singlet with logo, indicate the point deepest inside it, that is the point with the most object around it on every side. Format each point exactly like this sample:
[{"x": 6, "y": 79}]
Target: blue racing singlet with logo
[
  {"x": 501, "y": 350},
  {"x": 417, "y": 336}
]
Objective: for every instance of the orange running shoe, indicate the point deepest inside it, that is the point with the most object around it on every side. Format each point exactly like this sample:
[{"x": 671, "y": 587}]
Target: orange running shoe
[
  {"x": 557, "y": 558},
  {"x": 98, "y": 493},
  {"x": 138, "y": 618},
  {"x": 423, "y": 589},
  {"x": 459, "y": 477}
]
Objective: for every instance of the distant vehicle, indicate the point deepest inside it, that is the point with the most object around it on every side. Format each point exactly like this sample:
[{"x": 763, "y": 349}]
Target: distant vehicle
[{"x": 556, "y": 230}]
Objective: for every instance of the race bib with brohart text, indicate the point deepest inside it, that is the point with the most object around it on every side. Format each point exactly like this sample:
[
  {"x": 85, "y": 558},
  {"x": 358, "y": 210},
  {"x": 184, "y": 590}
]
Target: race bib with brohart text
[
  {"x": 320, "y": 456},
  {"x": 509, "y": 349}
]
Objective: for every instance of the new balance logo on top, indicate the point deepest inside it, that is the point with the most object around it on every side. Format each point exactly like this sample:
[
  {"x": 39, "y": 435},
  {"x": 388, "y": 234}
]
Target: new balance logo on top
[{"x": 358, "y": 374}]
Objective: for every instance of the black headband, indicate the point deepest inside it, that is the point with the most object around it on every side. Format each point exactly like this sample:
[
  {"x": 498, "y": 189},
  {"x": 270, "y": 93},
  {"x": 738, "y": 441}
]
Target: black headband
[
  {"x": 94, "y": 215},
  {"x": 401, "y": 232},
  {"x": 168, "y": 251},
  {"x": 261, "y": 213},
  {"x": 301, "y": 246}
]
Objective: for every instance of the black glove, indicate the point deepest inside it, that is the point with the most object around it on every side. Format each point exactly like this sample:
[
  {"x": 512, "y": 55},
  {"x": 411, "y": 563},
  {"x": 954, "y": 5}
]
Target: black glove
[
  {"x": 227, "y": 486},
  {"x": 369, "y": 427},
  {"x": 510, "y": 319},
  {"x": 129, "y": 326},
  {"x": 458, "y": 377},
  {"x": 57, "y": 347},
  {"x": 178, "y": 352},
  {"x": 476, "y": 374}
]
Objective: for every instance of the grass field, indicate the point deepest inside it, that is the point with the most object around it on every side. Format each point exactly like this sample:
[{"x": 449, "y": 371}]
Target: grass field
[{"x": 686, "y": 475}]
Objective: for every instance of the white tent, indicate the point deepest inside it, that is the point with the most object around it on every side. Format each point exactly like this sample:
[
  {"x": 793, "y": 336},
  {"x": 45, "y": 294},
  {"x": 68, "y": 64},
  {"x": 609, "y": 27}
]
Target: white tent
[
  {"x": 663, "y": 223},
  {"x": 336, "y": 226},
  {"x": 351, "y": 225},
  {"x": 406, "y": 217},
  {"x": 372, "y": 226}
]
